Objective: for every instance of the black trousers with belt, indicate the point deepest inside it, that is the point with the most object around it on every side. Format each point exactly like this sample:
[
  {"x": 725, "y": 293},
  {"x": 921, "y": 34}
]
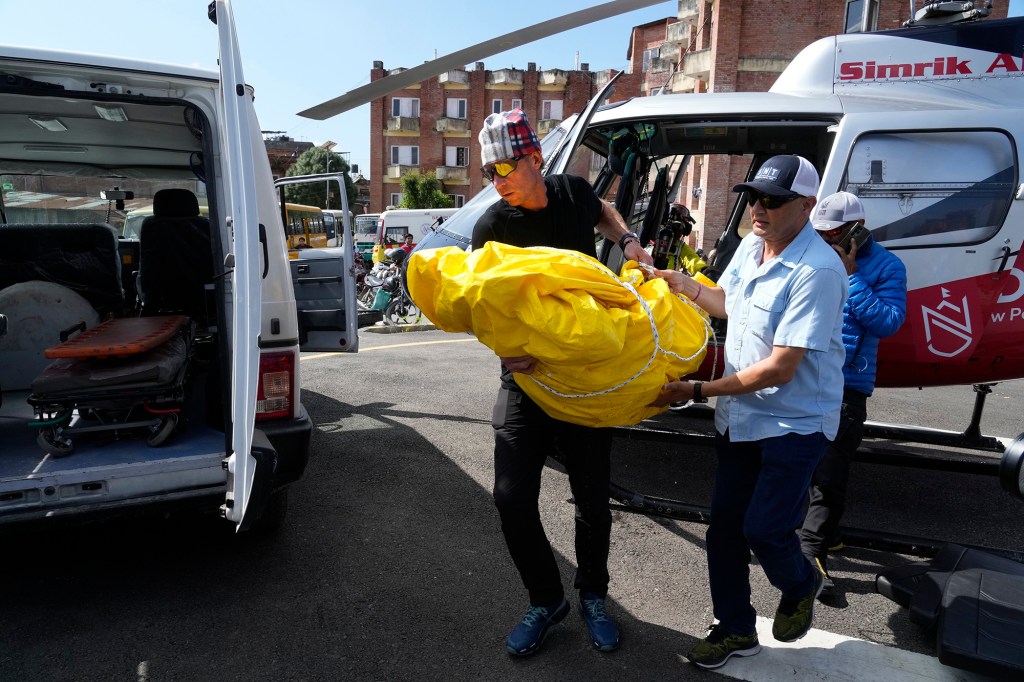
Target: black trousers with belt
[
  {"x": 524, "y": 436},
  {"x": 828, "y": 486}
]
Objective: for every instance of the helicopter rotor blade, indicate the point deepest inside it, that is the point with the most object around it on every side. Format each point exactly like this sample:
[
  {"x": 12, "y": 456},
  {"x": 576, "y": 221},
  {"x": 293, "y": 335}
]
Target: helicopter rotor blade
[{"x": 379, "y": 88}]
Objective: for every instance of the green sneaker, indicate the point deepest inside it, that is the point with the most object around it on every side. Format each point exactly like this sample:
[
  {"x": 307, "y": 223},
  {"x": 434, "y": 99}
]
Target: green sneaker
[
  {"x": 719, "y": 646},
  {"x": 793, "y": 618}
]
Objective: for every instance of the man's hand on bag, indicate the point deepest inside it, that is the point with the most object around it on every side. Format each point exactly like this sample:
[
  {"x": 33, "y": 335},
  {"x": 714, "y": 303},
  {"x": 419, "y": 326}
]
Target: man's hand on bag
[
  {"x": 524, "y": 364},
  {"x": 674, "y": 392},
  {"x": 636, "y": 252}
]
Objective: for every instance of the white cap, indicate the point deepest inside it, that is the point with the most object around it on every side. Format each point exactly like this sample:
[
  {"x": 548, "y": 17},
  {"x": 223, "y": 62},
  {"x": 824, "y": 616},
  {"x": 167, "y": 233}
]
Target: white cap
[{"x": 836, "y": 210}]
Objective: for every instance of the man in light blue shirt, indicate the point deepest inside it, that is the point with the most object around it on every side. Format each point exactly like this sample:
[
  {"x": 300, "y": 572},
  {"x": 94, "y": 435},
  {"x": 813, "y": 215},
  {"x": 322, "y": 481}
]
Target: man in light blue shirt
[{"x": 783, "y": 294}]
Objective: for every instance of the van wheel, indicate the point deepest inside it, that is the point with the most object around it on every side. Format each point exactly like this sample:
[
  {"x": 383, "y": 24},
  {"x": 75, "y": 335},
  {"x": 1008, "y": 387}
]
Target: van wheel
[
  {"x": 162, "y": 431},
  {"x": 272, "y": 518},
  {"x": 54, "y": 444}
]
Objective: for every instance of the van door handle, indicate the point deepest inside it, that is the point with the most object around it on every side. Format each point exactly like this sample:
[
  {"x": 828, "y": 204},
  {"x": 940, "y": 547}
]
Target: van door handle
[{"x": 266, "y": 253}]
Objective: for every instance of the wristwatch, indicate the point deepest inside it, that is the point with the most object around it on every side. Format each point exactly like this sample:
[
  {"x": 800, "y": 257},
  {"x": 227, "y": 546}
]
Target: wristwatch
[
  {"x": 626, "y": 237},
  {"x": 698, "y": 395}
]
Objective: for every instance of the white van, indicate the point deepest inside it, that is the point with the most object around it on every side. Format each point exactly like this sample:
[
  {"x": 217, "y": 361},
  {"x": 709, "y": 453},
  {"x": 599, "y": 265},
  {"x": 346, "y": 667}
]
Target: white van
[
  {"x": 394, "y": 224},
  {"x": 188, "y": 394}
]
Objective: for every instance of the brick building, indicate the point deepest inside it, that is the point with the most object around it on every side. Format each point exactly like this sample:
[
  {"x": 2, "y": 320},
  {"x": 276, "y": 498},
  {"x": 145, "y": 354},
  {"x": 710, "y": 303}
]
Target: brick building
[
  {"x": 432, "y": 126},
  {"x": 282, "y": 152}
]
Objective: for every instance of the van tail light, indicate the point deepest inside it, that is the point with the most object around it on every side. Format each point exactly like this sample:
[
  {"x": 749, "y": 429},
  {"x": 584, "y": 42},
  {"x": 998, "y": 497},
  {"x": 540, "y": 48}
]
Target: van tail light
[{"x": 275, "y": 394}]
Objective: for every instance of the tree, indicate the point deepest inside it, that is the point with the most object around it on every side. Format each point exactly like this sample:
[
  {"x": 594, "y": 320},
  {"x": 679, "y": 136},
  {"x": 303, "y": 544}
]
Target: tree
[
  {"x": 423, "y": 191},
  {"x": 311, "y": 162}
]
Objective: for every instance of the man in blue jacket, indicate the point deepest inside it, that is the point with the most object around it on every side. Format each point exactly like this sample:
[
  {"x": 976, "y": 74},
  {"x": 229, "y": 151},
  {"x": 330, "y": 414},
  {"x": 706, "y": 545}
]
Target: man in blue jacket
[{"x": 875, "y": 308}]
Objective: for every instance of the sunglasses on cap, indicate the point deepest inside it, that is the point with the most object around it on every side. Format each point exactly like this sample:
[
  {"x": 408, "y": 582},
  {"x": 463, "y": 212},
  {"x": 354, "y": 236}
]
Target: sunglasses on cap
[
  {"x": 836, "y": 231},
  {"x": 769, "y": 201},
  {"x": 500, "y": 168}
]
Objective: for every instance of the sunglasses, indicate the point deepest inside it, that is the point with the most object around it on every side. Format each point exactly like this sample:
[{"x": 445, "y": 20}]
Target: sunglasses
[
  {"x": 836, "y": 231},
  {"x": 769, "y": 201},
  {"x": 500, "y": 168}
]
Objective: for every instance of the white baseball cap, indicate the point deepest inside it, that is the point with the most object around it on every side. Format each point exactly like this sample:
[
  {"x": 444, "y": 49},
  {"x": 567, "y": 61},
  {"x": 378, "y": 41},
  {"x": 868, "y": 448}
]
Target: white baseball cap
[{"x": 836, "y": 210}]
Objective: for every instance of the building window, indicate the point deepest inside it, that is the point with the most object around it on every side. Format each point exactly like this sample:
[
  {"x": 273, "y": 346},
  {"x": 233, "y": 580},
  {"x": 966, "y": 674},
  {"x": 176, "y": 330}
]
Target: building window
[
  {"x": 457, "y": 200},
  {"x": 649, "y": 56},
  {"x": 456, "y": 156},
  {"x": 405, "y": 155},
  {"x": 517, "y": 104},
  {"x": 657, "y": 91},
  {"x": 861, "y": 15},
  {"x": 405, "y": 106},
  {"x": 456, "y": 107},
  {"x": 551, "y": 110},
  {"x": 496, "y": 106},
  {"x": 396, "y": 199}
]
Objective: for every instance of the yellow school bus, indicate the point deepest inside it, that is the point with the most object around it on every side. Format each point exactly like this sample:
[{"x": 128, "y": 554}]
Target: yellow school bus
[{"x": 304, "y": 227}]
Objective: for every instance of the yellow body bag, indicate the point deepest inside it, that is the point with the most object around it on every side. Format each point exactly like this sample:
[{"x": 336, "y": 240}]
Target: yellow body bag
[{"x": 605, "y": 345}]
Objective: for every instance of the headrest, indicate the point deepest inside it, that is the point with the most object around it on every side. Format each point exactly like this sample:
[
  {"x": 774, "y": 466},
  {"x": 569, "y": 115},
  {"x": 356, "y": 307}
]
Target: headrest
[{"x": 175, "y": 203}]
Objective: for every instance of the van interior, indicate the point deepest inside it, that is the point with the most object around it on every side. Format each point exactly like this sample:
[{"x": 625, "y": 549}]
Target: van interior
[{"x": 111, "y": 344}]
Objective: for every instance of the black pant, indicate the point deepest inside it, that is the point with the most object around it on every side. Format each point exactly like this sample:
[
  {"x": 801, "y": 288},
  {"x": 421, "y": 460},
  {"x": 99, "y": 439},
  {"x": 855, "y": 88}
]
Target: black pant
[
  {"x": 828, "y": 486},
  {"x": 524, "y": 436}
]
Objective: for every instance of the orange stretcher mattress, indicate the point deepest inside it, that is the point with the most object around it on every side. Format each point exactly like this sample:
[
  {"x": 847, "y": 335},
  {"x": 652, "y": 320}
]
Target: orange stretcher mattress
[{"x": 119, "y": 338}]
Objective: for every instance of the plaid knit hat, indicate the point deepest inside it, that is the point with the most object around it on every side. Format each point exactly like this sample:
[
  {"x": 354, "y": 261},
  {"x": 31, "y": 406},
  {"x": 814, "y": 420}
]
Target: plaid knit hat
[{"x": 507, "y": 135}]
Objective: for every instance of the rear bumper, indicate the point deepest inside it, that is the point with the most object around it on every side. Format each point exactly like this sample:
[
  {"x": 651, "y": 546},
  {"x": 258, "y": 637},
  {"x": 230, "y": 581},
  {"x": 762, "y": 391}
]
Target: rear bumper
[{"x": 290, "y": 439}]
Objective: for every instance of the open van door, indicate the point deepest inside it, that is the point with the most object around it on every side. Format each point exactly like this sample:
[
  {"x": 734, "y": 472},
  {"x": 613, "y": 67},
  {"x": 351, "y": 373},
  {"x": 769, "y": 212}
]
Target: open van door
[
  {"x": 324, "y": 280},
  {"x": 242, "y": 218}
]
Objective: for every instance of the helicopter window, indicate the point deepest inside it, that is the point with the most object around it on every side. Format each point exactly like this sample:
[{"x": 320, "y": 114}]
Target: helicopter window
[{"x": 928, "y": 188}]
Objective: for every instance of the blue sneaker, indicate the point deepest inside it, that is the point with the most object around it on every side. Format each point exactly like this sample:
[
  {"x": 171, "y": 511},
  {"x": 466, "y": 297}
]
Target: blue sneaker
[
  {"x": 528, "y": 635},
  {"x": 604, "y": 634}
]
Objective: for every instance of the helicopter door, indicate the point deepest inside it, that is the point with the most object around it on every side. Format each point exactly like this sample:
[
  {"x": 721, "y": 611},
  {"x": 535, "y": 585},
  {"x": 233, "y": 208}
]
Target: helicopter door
[
  {"x": 324, "y": 279},
  {"x": 941, "y": 198},
  {"x": 244, "y": 470}
]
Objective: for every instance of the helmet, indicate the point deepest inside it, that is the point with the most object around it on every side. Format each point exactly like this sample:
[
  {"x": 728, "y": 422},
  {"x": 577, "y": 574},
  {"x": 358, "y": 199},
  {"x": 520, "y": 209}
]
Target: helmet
[{"x": 396, "y": 256}]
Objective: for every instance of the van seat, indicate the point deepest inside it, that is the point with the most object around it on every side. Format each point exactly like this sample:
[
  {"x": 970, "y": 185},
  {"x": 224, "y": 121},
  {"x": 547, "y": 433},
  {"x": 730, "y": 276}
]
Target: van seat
[
  {"x": 80, "y": 256},
  {"x": 175, "y": 259}
]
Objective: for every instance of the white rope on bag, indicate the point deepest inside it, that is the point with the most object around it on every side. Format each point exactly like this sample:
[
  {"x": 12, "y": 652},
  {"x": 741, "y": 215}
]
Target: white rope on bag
[{"x": 709, "y": 332}]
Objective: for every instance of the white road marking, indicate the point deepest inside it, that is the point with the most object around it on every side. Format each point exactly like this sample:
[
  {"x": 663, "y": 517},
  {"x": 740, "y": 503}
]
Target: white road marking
[{"x": 822, "y": 655}]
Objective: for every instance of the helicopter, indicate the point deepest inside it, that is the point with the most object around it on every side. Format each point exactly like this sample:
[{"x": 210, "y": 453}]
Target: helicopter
[{"x": 923, "y": 123}]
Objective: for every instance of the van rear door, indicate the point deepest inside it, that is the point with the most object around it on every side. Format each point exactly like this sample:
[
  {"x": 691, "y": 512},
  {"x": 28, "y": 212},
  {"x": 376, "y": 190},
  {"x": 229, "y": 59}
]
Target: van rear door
[{"x": 247, "y": 476}]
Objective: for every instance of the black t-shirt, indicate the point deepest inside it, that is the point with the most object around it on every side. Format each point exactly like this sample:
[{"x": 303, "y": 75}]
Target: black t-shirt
[{"x": 567, "y": 222}]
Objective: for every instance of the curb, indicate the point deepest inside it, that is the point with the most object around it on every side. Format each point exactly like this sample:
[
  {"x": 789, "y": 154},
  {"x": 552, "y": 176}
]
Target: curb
[{"x": 398, "y": 329}]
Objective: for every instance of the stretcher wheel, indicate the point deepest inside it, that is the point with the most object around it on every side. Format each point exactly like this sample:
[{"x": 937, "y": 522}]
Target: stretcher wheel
[
  {"x": 162, "y": 431},
  {"x": 54, "y": 444}
]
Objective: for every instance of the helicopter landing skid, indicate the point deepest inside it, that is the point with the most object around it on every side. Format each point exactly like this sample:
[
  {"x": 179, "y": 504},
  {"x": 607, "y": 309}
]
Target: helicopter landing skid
[{"x": 890, "y": 444}]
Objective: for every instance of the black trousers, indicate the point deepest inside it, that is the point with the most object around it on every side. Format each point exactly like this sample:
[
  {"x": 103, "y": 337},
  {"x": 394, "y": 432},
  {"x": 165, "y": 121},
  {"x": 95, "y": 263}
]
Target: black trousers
[
  {"x": 524, "y": 436},
  {"x": 828, "y": 486}
]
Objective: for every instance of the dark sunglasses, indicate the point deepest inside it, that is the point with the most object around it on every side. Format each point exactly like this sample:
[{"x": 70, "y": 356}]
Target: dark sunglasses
[
  {"x": 836, "y": 231},
  {"x": 500, "y": 168},
  {"x": 769, "y": 201}
]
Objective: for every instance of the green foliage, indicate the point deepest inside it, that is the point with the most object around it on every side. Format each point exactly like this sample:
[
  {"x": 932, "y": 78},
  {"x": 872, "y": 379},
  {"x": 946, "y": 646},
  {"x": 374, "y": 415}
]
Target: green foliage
[
  {"x": 311, "y": 162},
  {"x": 423, "y": 191}
]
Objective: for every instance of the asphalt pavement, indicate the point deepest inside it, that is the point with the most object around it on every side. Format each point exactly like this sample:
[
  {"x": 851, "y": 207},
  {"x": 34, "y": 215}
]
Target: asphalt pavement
[{"x": 391, "y": 564}]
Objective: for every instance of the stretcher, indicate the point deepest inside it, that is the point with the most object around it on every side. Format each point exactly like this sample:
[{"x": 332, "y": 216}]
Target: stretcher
[{"x": 121, "y": 376}]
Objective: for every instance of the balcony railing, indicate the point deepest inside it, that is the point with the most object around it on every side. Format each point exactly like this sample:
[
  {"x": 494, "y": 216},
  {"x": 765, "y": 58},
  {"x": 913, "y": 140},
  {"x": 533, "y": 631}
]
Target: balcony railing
[
  {"x": 403, "y": 124},
  {"x": 680, "y": 82},
  {"x": 452, "y": 173},
  {"x": 688, "y": 12},
  {"x": 546, "y": 125},
  {"x": 451, "y": 125},
  {"x": 505, "y": 77},
  {"x": 396, "y": 171},
  {"x": 697, "y": 64},
  {"x": 456, "y": 77},
  {"x": 556, "y": 77}
]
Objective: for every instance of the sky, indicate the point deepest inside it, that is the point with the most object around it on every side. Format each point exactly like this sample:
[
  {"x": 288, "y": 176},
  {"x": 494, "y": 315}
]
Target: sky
[{"x": 298, "y": 53}]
